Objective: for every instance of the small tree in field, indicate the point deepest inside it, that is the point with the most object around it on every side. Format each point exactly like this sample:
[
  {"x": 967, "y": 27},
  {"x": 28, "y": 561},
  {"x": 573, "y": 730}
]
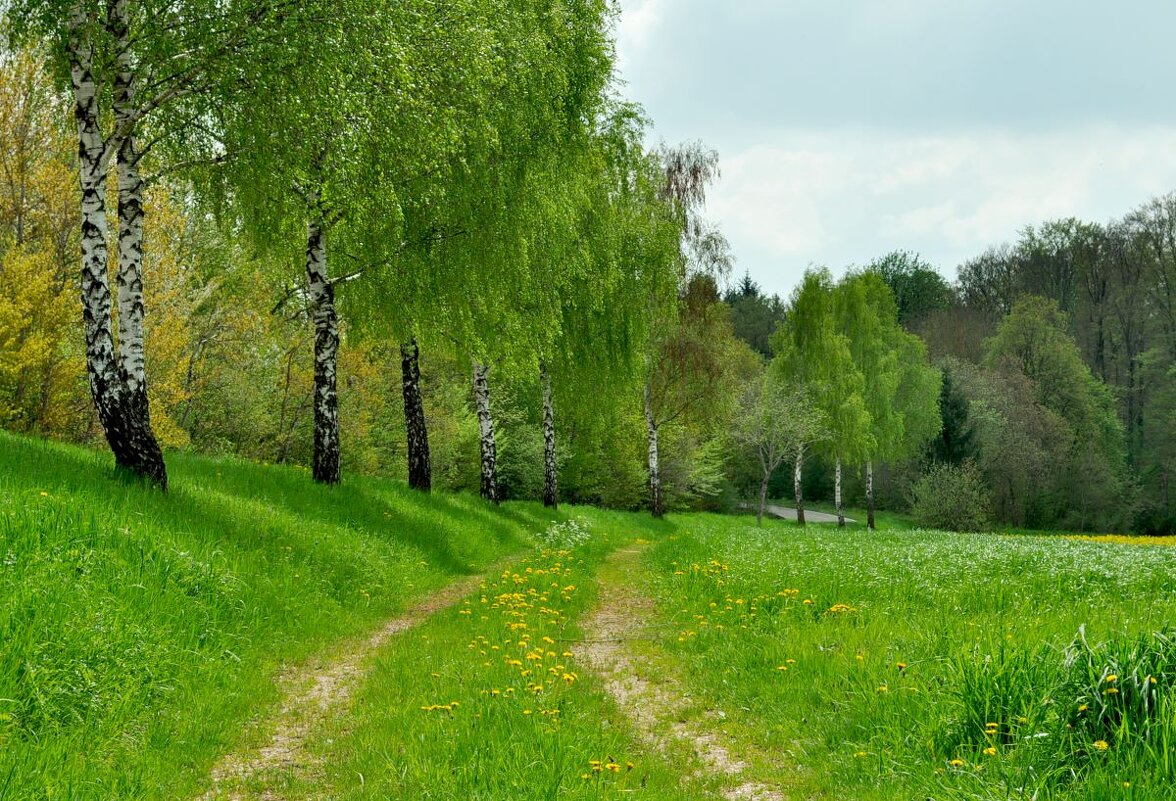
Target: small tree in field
[{"x": 776, "y": 422}]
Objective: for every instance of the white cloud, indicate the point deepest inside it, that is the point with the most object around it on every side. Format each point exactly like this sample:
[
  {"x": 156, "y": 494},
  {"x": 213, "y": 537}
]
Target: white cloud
[
  {"x": 638, "y": 23},
  {"x": 842, "y": 198}
]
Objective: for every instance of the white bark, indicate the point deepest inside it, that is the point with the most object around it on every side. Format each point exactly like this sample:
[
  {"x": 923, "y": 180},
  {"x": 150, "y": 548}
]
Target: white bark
[
  {"x": 488, "y": 446},
  {"x": 326, "y": 356},
  {"x": 656, "y": 501},
  {"x": 837, "y": 494},
  {"x": 131, "y": 309},
  {"x": 95, "y": 286},
  {"x": 420, "y": 466},
  {"x": 550, "y": 486},
  {"x": 120, "y": 395},
  {"x": 870, "y": 493},
  {"x": 798, "y": 484}
]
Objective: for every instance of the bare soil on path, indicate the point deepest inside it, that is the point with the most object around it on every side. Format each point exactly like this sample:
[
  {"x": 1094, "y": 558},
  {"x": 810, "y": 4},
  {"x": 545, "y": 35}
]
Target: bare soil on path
[
  {"x": 312, "y": 692},
  {"x": 658, "y": 708}
]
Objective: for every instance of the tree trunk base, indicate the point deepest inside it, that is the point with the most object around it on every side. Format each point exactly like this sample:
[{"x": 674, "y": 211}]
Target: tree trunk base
[{"x": 128, "y": 432}]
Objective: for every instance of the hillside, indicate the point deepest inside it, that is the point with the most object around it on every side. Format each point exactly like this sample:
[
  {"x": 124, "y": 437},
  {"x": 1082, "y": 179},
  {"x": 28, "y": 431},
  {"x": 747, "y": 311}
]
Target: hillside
[{"x": 138, "y": 630}]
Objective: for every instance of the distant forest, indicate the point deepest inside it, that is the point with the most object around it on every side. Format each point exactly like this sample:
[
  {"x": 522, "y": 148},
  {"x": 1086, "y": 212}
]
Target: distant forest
[{"x": 1104, "y": 293}]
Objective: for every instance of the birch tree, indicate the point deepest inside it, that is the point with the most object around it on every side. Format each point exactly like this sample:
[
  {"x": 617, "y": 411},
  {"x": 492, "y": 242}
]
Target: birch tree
[
  {"x": 140, "y": 74},
  {"x": 900, "y": 388},
  {"x": 775, "y": 422},
  {"x": 325, "y": 147},
  {"x": 523, "y": 96},
  {"x": 814, "y": 355},
  {"x": 689, "y": 169}
]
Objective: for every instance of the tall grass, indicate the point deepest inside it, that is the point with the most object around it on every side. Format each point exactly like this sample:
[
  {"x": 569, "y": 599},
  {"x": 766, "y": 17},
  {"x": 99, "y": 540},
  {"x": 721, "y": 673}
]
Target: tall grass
[{"x": 139, "y": 630}]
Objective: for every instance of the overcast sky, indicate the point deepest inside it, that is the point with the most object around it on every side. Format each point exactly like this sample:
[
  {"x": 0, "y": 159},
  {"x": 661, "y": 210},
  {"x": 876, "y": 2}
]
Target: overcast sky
[{"x": 850, "y": 128}]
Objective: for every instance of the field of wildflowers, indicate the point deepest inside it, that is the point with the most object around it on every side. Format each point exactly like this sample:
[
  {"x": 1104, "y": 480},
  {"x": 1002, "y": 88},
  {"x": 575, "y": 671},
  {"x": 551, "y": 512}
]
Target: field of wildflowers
[{"x": 914, "y": 664}]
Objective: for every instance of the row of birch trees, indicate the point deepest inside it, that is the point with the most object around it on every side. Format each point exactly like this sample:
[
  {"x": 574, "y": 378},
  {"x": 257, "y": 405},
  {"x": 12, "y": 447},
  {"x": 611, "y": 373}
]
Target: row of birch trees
[
  {"x": 847, "y": 381},
  {"x": 459, "y": 176}
]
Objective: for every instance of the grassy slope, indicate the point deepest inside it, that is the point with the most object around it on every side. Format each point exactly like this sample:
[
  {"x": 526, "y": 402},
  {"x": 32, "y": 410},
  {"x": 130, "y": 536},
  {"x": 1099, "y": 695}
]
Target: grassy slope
[
  {"x": 138, "y": 630},
  {"x": 980, "y": 623}
]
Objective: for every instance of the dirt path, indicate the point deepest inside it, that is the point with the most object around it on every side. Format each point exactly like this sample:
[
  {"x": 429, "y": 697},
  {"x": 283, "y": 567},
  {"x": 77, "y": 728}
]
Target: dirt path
[
  {"x": 657, "y": 709},
  {"x": 312, "y": 692}
]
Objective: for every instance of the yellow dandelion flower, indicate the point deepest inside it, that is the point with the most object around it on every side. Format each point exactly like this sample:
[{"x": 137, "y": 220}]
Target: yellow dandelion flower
[
  {"x": 1101, "y": 745},
  {"x": 990, "y": 750},
  {"x": 957, "y": 763}
]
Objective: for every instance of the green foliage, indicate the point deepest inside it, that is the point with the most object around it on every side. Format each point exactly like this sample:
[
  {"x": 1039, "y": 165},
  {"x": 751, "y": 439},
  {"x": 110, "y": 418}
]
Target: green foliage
[
  {"x": 814, "y": 356},
  {"x": 954, "y": 443},
  {"x": 951, "y": 497},
  {"x": 900, "y": 388},
  {"x": 918, "y": 287},
  {"x": 1033, "y": 340},
  {"x": 754, "y": 316}
]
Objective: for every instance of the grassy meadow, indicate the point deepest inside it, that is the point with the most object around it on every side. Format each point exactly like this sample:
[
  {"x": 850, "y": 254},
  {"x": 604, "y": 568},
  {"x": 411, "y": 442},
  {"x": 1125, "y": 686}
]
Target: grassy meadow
[
  {"x": 140, "y": 635},
  {"x": 915, "y": 664}
]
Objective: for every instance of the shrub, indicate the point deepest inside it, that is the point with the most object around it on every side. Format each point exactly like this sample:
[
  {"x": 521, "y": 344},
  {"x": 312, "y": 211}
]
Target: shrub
[
  {"x": 951, "y": 497},
  {"x": 566, "y": 535},
  {"x": 1155, "y": 520}
]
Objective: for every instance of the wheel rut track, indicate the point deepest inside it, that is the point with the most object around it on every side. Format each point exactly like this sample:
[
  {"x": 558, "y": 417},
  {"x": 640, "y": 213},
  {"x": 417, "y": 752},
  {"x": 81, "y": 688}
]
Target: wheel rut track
[
  {"x": 656, "y": 709},
  {"x": 312, "y": 693}
]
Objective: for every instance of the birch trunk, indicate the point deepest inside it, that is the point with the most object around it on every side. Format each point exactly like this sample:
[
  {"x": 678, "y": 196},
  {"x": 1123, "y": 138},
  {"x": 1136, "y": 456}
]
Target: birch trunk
[
  {"x": 870, "y": 494},
  {"x": 117, "y": 385},
  {"x": 550, "y": 487},
  {"x": 657, "y": 504},
  {"x": 759, "y": 518},
  {"x": 798, "y": 484},
  {"x": 326, "y": 357},
  {"x": 837, "y": 494},
  {"x": 420, "y": 471},
  {"x": 132, "y": 362},
  {"x": 489, "y": 448}
]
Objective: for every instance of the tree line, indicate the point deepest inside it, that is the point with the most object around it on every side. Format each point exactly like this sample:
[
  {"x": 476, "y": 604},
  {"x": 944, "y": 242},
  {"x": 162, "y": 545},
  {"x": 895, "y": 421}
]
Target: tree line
[
  {"x": 358, "y": 181},
  {"x": 431, "y": 241},
  {"x": 1058, "y": 398}
]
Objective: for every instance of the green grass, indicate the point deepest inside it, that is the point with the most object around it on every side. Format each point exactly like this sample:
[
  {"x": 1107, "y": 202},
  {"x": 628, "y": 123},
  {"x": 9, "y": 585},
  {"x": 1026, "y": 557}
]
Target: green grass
[
  {"x": 139, "y": 631},
  {"x": 529, "y": 722},
  {"x": 1021, "y": 632},
  {"x": 140, "y": 635}
]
